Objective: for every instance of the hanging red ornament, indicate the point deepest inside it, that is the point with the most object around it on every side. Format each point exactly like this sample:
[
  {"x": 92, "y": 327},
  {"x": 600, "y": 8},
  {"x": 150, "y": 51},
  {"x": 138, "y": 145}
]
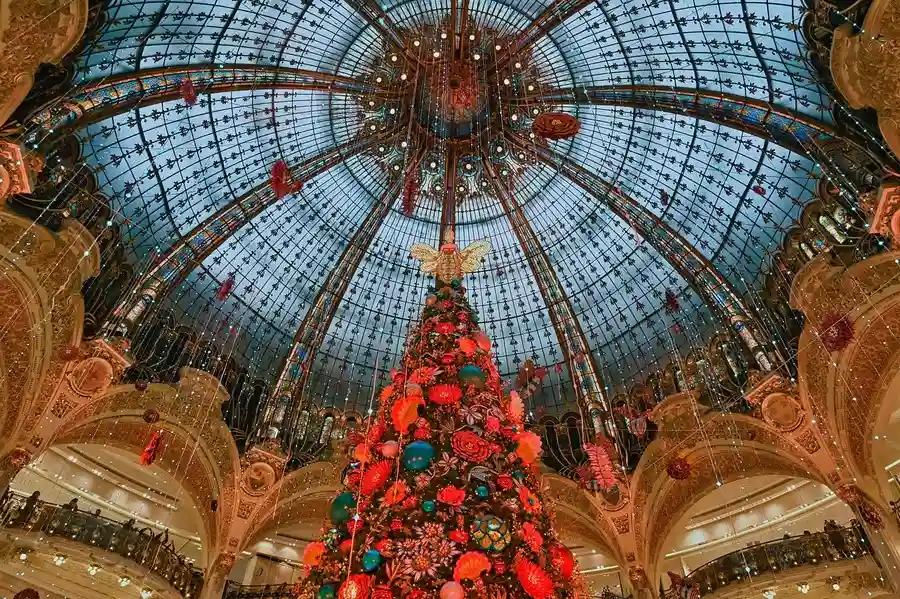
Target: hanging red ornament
[
  {"x": 664, "y": 197},
  {"x": 151, "y": 416},
  {"x": 671, "y": 302},
  {"x": 282, "y": 181},
  {"x": 835, "y": 331},
  {"x": 149, "y": 454},
  {"x": 225, "y": 288},
  {"x": 140, "y": 385},
  {"x": 555, "y": 125},
  {"x": 563, "y": 560},
  {"x": 678, "y": 468},
  {"x": 188, "y": 91},
  {"x": 410, "y": 193},
  {"x": 759, "y": 190},
  {"x": 600, "y": 462},
  {"x": 28, "y": 593}
]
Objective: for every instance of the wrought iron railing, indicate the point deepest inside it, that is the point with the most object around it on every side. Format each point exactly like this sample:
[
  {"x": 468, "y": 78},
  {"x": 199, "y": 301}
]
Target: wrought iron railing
[
  {"x": 235, "y": 590},
  {"x": 808, "y": 549},
  {"x": 153, "y": 552}
]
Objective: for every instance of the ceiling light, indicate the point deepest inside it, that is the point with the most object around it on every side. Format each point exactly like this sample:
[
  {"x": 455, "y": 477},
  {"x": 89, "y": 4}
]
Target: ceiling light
[
  {"x": 769, "y": 594},
  {"x": 124, "y": 581},
  {"x": 515, "y": 117},
  {"x": 393, "y": 58},
  {"x": 392, "y": 111},
  {"x": 433, "y": 164},
  {"x": 803, "y": 587},
  {"x": 436, "y": 54},
  {"x": 531, "y": 88},
  {"x": 497, "y": 47},
  {"x": 477, "y": 57},
  {"x": 93, "y": 569},
  {"x": 403, "y": 144},
  {"x": 518, "y": 65},
  {"x": 371, "y": 102},
  {"x": 472, "y": 36},
  {"x": 836, "y": 586},
  {"x": 146, "y": 593},
  {"x": 59, "y": 559},
  {"x": 416, "y": 43},
  {"x": 403, "y": 77},
  {"x": 372, "y": 127},
  {"x": 378, "y": 79},
  {"x": 535, "y": 111},
  {"x": 506, "y": 82},
  {"x": 23, "y": 556}
]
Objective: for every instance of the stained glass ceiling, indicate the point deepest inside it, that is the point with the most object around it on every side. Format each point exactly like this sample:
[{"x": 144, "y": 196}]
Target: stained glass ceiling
[{"x": 167, "y": 167}]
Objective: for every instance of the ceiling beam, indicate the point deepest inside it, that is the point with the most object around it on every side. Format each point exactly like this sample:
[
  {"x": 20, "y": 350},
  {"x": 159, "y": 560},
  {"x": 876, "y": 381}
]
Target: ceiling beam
[
  {"x": 788, "y": 128},
  {"x": 192, "y": 249},
  {"x": 694, "y": 268},
  {"x": 374, "y": 15},
  {"x": 558, "y": 12},
  {"x": 111, "y": 96},
  {"x": 583, "y": 370},
  {"x": 286, "y": 401}
]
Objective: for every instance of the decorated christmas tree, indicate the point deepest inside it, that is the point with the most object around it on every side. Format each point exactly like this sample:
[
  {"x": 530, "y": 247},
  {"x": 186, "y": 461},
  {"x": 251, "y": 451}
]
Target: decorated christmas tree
[{"x": 443, "y": 497}]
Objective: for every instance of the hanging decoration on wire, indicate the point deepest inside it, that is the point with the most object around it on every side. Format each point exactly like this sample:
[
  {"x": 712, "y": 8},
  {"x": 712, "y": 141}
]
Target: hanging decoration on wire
[
  {"x": 671, "y": 302},
  {"x": 835, "y": 331},
  {"x": 283, "y": 182},
  {"x": 188, "y": 91},
  {"x": 148, "y": 456},
  {"x": 410, "y": 192},
  {"x": 600, "y": 467},
  {"x": 226, "y": 288},
  {"x": 664, "y": 197},
  {"x": 555, "y": 125}
]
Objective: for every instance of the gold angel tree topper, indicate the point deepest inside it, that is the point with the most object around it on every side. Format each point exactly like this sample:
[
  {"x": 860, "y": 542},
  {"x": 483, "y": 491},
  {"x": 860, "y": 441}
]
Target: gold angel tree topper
[{"x": 449, "y": 262}]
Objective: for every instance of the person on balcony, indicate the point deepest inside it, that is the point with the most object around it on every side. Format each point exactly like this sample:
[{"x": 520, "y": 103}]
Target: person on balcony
[{"x": 28, "y": 509}]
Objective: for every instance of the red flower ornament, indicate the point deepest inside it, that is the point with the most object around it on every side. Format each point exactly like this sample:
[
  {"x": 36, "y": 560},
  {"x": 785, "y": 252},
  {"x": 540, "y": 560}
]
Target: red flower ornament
[
  {"x": 355, "y": 587},
  {"x": 451, "y": 496},
  {"x": 470, "y": 446},
  {"x": 443, "y": 395},
  {"x": 835, "y": 331},
  {"x": 375, "y": 477},
  {"x": 534, "y": 580},
  {"x": 444, "y": 328}
]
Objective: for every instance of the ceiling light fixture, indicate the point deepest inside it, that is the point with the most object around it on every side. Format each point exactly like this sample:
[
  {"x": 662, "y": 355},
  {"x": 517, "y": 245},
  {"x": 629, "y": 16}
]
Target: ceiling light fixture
[
  {"x": 93, "y": 569},
  {"x": 146, "y": 593},
  {"x": 124, "y": 581}
]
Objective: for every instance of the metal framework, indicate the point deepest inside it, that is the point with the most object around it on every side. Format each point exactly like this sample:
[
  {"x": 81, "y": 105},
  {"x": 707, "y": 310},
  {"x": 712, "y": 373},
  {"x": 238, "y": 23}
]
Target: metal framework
[
  {"x": 789, "y": 129},
  {"x": 371, "y": 11},
  {"x": 190, "y": 250},
  {"x": 448, "y": 208},
  {"x": 583, "y": 371},
  {"x": 555, "y": 14},
  {"x": 694, "y": 268},
  {"x": 286, "y": 399},
  {"x": 116, "y": 95}
]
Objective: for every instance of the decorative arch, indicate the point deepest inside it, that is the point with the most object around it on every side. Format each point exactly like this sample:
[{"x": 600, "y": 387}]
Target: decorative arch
[
  {"x": 196, "y": 447},
  {"x": 577, "y": 517},
  {"x": 41, "y": 315},
  {"x": 304, "y": 493},
  {"x": 720, "y": 448}
]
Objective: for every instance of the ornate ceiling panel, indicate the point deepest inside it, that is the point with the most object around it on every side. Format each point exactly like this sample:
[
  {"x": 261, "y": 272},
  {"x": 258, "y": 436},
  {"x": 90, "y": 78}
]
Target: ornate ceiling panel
[{"x": 168, "y": 167}]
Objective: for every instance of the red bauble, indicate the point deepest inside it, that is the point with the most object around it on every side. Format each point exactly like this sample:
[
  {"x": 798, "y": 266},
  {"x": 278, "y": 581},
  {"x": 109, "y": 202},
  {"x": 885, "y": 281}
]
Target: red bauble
[
  {"x": 563, "y": 560},
  {"x": 141, "y": 385},
  {"x": 225, "y": 288},
  {"x": 555, "y": 125},
  {"x": 151, "y": 416},
  {"x": 188, "y": 91},
  {"x": 28, "y": 593},
  {"x": 678, "y": 468},
  {"x": 443, "y": 395},
  {"x": 835, "y": 331}
]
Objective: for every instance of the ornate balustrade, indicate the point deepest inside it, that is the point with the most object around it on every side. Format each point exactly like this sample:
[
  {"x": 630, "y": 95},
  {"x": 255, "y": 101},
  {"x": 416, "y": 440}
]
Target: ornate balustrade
[
  {"x": 808, "y": 549},
  {"x": 234, "y": 590},
  {"x": 140, "y": 546}
]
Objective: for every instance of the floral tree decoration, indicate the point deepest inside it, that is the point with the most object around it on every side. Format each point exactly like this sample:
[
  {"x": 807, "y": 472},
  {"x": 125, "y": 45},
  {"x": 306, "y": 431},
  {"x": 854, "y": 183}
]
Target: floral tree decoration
[{"x": 443, "y": 498}]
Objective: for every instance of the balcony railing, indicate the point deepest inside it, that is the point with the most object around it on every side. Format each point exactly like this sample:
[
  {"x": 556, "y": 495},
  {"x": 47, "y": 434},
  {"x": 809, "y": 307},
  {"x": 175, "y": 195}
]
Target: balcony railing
[
  {"x": 140, "y": 546},
  {"x": 808, "y": 549},
  {"x": 235, "y": 590}
]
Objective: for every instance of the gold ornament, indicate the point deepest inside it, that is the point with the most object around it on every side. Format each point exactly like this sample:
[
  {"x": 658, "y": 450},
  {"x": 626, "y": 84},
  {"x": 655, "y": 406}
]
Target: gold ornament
[{"x": 449, "y": 262}]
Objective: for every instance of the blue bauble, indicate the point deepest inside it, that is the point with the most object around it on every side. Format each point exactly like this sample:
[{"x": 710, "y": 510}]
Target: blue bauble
[
  {"x": 341, "y": 506},
  {"x": 429, "y": 506},
  {"x": 472, "y": 375},
  {"x": 371, "y": 560},
  {"x": 482, "y": 491},
  {"x": 518, "y": 475},
  {"x": 418, "y": 455},
  {"x": 327, "y": 591}
]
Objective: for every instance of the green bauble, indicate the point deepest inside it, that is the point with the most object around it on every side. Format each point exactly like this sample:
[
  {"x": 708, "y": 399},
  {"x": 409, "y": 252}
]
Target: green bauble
[
  {"x": 472, "y": 375},
  {"x": 371, "y": 560},
  {"x": 491, "y": 533},
  {"x": 326, "y": 591},
  {"x": 341, "y": 506},
  {"x": 418, "y": 455}
]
